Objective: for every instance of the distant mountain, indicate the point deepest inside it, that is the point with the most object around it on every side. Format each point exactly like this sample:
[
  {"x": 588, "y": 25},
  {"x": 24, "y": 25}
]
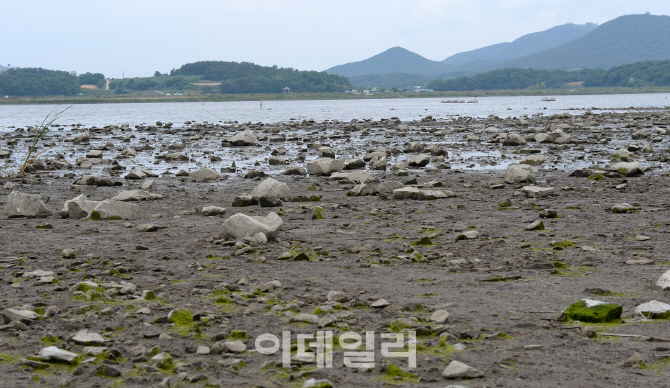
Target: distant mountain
[
  {"x": 523, "y": 46},
  {"x": 626, "y": 39},
  {"x": 393, "y": 60}
]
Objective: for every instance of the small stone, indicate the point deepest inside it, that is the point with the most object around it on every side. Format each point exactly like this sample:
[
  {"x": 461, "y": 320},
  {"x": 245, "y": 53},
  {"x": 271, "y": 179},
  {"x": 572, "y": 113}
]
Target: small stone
[
  {"x": 380, "y": 304},
  {"x": 307, "y": 318},
  {"x": 439, "y": 316},
  {"x": 337, "y": 296},
  {"x": 83, "y": 337},
  {"x": 107, "y": 371},
  {"x": 234, "y": 346},
  {"x": 468, "y": 235},
  {"x": 664, "y": 280},
  {"x": 537, "y": 225}
]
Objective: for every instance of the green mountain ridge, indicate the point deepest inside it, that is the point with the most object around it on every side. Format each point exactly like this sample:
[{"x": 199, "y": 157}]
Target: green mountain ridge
[
  {"x": 626, "y": 39},
  {"x": 526, "y": 45}
]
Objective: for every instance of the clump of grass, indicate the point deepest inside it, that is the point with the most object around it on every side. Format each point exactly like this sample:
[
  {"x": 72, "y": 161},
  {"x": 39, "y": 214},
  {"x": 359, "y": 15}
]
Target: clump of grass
[{"x": 42, "y": 130}]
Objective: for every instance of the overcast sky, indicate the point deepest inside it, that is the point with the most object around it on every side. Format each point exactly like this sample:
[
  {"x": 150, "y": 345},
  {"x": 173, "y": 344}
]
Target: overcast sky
[{"x": 139, "y": 37}]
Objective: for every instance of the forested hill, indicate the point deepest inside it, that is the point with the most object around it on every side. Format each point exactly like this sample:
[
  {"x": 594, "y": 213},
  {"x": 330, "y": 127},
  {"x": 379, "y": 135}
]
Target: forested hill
[
  {"x": 626, "y": 39},
  {"x": 245, "y": 77},
  {"x": 393, "y": 60},
  {"x": 523, "y": 46}
]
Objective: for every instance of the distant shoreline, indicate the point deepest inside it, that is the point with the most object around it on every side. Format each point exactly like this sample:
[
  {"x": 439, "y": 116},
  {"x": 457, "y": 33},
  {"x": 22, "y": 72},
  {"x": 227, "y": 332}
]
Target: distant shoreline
[{"x": 141, "y": 98}]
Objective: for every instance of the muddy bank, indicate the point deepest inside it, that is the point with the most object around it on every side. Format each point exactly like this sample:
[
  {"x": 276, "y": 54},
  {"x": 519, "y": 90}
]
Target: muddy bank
[{"x": 404, "y": 220}]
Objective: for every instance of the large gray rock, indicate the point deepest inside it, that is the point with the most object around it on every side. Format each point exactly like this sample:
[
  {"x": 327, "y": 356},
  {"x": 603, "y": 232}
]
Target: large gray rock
[
  {"x": 537, "y": 191},
  {"x": 294, "y": 170},
  {"x": 272, "y": 188},
  {"x": 78, "y": 207},
  {"x": 534, "y": 160},
  {"x": 244, "y": 138},
  {"x": 135, "y": 195},
  {"x": 631, "y": 169},
  {"x": 324, "y": 166},
  {"x": 514, "y": 140},
  {"x": 519, "y": 173},
  {"x": 205, "y": 175},
  {"x": 624, "y": 155},
  {"x": 25, "y": 316},
  {"x": 240, "y": 225},
  {"x": 56, "y": 354},
  {"x": 388, "y": 187},
  {"x": 546, "y": 137},
  {"x": 653, "y": 309},
  {"x": 25, "y": 205},
  {"x": 459, "y": 370},
  {"x": 110, "y": 209},
  {"x": 420, "y": 160}
]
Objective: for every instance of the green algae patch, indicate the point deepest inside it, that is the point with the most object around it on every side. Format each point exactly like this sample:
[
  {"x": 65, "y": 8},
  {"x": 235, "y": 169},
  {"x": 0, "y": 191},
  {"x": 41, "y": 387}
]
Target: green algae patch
[
  {"x": 592, "y": 311},
  {"x": 559, "y": 265},
  {"x": 395, "y": 237},
  {"x": 238, "y": 335},
  {"x": 396, "y": 375},
  {"x": 560, "y": 245},
  {"x": 424, "y": 241},
  {"x": 50, "y": 340}
]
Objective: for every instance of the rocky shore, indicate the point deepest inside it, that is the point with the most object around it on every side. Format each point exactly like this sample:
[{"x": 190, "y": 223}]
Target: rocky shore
[{"x": 524, "y": 251}]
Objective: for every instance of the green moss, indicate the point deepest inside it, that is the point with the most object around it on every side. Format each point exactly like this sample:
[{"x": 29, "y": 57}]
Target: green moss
[
  {"x": 596, "y": 177},
  {"x": 423, "y": 241},
  {"x": 95, "y": 215},
  {"x": 525, "y": 245},
  {"x": 606, "y": 312},
  {"x": 658, "y": 366},
  {"x": 44, "y": 226},
  {"x": 50, "y": 340},
  {"x": 238, "y": 335},
  {"x": 181, "y": 317},
  {"x": 559, "y": 265},
  {"x": 212, "y": 257},
  {"x": 559, "y": 245},
  {"x": 395, "y": 375}
]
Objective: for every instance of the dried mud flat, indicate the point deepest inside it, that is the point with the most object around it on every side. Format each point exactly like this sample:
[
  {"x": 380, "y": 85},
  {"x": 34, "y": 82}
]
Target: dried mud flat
[{"x": 504, "y": 287}]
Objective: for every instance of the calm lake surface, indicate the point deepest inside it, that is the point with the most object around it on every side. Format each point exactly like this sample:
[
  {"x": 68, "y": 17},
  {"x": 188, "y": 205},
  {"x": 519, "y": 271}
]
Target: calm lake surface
[{"x": 320, "y": 110}]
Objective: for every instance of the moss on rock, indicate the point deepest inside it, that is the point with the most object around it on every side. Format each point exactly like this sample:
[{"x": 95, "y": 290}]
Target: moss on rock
[{"x": 587, "y": 310}]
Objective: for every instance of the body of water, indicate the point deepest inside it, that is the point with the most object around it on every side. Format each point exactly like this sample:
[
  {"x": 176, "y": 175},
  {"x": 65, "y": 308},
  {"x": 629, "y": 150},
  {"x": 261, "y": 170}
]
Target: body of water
[{"x": 345, "y": 110}]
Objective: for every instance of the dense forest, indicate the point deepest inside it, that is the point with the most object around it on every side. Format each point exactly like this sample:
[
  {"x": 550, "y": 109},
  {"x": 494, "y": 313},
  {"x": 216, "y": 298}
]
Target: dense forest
[
  {"x": 514, "y": 79},
  {"x": 42, "y": 82},
  {"x": 645, "y": 73},
  {"x": 247, "y": 77}
]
